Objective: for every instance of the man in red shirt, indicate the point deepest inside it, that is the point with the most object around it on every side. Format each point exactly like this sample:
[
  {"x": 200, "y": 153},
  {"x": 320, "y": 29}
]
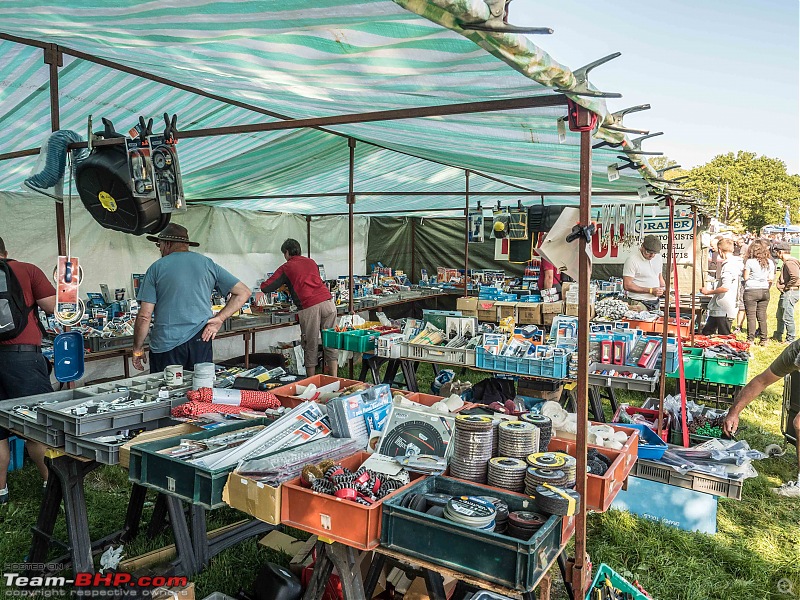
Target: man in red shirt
[
  {"x": 23, "y": 369},
  {"x": 312, "y": 298}
]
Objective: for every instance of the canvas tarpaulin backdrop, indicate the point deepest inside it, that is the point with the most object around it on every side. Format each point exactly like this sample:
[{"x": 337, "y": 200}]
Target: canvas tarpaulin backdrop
[{"x": 246, "y": 243}]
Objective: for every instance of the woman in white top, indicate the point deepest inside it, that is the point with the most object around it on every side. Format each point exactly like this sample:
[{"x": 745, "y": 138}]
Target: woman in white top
[{"x": 759, "y": 273}]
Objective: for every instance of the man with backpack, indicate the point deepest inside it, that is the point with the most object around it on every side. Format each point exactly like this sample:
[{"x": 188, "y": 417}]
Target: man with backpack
[{"x": 23, "y": 369}]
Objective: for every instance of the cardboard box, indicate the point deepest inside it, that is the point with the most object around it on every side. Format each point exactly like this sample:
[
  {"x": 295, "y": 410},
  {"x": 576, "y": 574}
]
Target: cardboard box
[
  {"x": 254, "y": 498},
  {"x": 572, "y": 310},
  {"x": 149, "y": 436},
  {"x": 529, "y": 313},
  {"x": 547, "y": 319},
  {"x": 554, "y": 308},
  {"x": 467, "y": 306},
  {"x": 303, "y": 557},
  {"x": 486, "y": 311},
  {"x": 505, "y": 310}
]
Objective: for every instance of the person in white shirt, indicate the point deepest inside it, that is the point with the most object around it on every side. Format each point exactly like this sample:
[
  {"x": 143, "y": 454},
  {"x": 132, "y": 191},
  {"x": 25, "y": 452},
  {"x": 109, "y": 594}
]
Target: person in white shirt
[
  {"x": 723, "y": 306},
  {"x": 759, "y": 273},
  {"x": 642, "y": 275}
]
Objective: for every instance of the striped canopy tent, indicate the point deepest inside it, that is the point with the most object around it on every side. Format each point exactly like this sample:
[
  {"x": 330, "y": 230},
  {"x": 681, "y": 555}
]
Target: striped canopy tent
[{"x": 232, "y": 63}]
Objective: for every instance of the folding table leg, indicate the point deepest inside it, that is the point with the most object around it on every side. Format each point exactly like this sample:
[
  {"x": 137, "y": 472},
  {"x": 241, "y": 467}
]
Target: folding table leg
[
  {"x": 435, "y": 585},
  {"x": 186, "y": 563},
  {"x": 562, "y": 566},
  {"x": 158, "y": 520},
  {"x": 374, "y": 574},
  {"x": 133, "y": 517},
  {"x": 199, "y": 535},
  {"x": 46, "y": 522},
  {"x": 323, "y": 567},
  {"x": 344, "y": 559}
]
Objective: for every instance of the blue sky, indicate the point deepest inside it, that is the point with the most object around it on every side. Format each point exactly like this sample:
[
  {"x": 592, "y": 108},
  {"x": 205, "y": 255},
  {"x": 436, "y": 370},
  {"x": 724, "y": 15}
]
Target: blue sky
[{"x": 720, "y": 75}]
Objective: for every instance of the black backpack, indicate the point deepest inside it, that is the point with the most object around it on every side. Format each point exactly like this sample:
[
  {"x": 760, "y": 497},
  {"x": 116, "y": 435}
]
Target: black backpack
[{"x": 13, "y": 310}]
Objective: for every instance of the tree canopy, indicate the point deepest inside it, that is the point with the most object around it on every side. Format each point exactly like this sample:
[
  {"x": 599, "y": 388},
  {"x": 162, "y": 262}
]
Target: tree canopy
[{"x": 760, "y": 189}]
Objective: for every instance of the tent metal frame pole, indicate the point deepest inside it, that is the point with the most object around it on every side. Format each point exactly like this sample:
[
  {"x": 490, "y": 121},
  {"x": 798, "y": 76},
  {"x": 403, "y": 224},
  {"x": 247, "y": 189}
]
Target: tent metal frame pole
[
  {"x": 455, "y": 194},
  {"x": 413, "y": 249},
  {"x": 53, "y": 59},
  {"x": 466, "y": 233},
  {"x": 694, "y": 275},
  {"x": 192, "y": 90},
  {"x": 582, "y": 408},
  {"x": 665, "y": 333},
  {"x": 351, "y": 200},
  {"x": 308, "y": 236}
]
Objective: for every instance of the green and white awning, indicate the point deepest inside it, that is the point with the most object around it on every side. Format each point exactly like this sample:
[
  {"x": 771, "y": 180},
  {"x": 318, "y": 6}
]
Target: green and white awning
[{"x": 310, "y": 59}]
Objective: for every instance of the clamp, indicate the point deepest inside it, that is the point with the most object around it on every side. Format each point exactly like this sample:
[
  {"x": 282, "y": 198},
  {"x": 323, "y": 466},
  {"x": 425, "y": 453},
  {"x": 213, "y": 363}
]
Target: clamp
[
  {"x": 581, "y": 85},
  {"x": 616, "y": 120},
  {"x": 171, "y": 128},
  {"x": 579, "y": 231},
  {"x": 634, "y": 146},
  {"x": 498, "y": 21}
]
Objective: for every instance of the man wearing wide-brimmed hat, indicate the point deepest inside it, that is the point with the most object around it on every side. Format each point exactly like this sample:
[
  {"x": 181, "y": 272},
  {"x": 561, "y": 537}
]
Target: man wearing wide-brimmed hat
[{"x": 175, "y": 296}]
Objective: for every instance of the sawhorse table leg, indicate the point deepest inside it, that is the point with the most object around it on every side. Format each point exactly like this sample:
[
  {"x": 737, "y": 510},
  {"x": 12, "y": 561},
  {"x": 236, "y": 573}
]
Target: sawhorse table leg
[
  {"x": 344, "y": 559},
  {"x": 65, "y": 482}
]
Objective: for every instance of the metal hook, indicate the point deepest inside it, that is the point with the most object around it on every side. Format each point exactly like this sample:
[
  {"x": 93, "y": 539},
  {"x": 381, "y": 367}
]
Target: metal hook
[
  {"x": 498, "y": 21},
  {"x": 581, "y": 87}
]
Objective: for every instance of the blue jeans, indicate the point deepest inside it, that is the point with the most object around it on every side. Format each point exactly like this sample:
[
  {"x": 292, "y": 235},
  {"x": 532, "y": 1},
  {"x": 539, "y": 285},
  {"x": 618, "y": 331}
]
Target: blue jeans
[{"x": 785, "y": 314}]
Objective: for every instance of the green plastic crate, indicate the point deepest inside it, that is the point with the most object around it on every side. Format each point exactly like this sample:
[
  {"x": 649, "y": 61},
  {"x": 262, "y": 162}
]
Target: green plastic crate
[
  {"x": 175, "y": 477},
  {"x": 360, "y": 340},
  {"x": 332, "y": 338},
  {"x": 725, "y": 370},
  {"x": 693, "y": 365},
  {"x": 617, "y": 581},
  {"x": 495, "y": 557}
]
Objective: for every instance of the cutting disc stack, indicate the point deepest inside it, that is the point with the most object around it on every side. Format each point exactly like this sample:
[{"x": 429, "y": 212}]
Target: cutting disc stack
[
  {"x": 507, "y": 473},
  {"x": 545, "y": 426},
  {"x": 501, "y": 518},
  {"x": 495, "y": 436},
  {"x": 472, "y": 448},
  {"x": 523, "y": 524},
  {"x": 536, "y": 476},
  {"x": 472, "y": 511},
  {"x": 555, "y": 460},
  {"x": 518, "y": 439},
  {"x": 558, "y": 501}
]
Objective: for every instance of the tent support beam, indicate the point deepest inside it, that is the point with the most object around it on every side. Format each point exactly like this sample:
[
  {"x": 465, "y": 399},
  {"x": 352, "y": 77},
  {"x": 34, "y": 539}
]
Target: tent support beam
[
  {"x": 414, "y": 250},
  {"x": 351, "y": 201},
  {"x": 466, "y": 232},
  {"x": 694, "y": 275},
  {"x": 455, "y": 194},
  {"x": 308, "y": 236},
  {"x": 662, "y": 384},
  {"x": 582, "y": 408},
  {"x": 54, "y": 59}
]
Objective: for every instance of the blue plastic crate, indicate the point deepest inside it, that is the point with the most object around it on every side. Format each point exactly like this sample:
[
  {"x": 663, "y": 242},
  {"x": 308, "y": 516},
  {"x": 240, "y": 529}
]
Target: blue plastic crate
[
  {"x": 17, "y": 448},
  {"x": 651, "y": 446}
]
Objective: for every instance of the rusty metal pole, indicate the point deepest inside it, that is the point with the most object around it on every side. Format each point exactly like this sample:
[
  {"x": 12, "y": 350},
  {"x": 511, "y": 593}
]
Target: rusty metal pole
[
  {"x": 584, "y": 275},
  {"x": 351, "y": 200},
  {"x": 694, "y": 273},
  {"x": 54, "y": 59},
  {"x": 466, "y": 233},
  {"x": 662, "y": 384}
]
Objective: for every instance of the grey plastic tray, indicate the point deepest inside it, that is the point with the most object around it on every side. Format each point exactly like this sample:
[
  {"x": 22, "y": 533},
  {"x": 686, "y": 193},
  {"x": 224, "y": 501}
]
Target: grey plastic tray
[
  {"x": 638, "y": 385},
  {"x": 106, "y": 453},
  {"x": 37, "y": 432},
  {"x": 60, "y": 418}
]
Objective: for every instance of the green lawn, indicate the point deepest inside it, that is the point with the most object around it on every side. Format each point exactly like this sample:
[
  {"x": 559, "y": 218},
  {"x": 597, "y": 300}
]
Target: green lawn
[{"x": 757, "y": 546}]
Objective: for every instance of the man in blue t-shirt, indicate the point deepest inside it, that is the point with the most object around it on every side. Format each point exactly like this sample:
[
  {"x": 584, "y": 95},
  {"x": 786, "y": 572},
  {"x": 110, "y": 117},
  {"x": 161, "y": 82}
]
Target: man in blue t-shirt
[{"x": 178, "y": 288}]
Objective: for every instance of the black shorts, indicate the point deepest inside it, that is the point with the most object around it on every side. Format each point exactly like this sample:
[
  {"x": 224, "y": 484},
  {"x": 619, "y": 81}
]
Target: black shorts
[{"x": 22, "y": 374}]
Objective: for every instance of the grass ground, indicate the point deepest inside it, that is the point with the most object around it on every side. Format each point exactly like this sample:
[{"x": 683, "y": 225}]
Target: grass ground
[{"x": 754, "y": 554}]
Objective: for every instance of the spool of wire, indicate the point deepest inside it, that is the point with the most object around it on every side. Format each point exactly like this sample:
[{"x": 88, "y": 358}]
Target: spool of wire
[
  {"x": 545, "y": 426},
  {"x": 518, "y": 439}
]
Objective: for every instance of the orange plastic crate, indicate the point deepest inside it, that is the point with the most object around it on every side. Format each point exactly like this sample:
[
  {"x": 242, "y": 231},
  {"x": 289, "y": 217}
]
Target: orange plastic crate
[
  {"x": 602, "y": 489},
  {"x": 334, "y": 518},
  {"x": 285, "y": 393}
]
